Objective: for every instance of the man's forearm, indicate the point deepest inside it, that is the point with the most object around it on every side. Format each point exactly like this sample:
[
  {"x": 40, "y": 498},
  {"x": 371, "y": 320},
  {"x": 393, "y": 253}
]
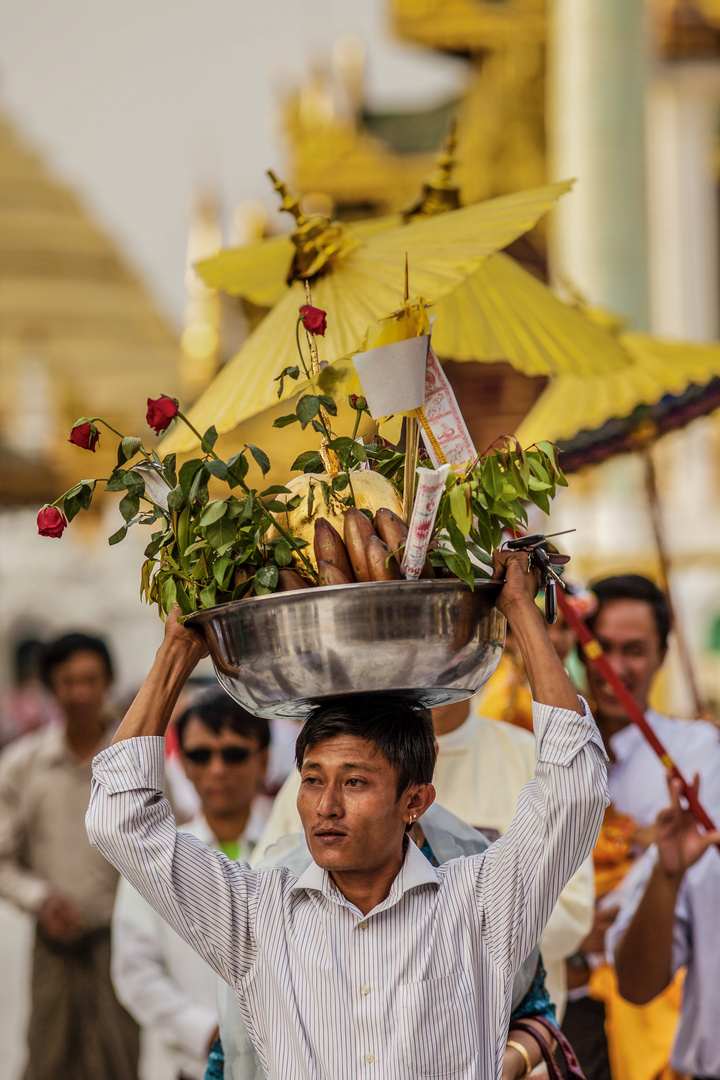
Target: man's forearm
[
  {"x": 151, "y": 710},
  {"x": 643, "y": 958},
  {"x": 549, "y": 682}
]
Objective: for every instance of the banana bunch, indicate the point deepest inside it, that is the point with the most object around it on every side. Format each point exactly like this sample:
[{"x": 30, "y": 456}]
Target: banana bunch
[{"x": 367, "y": 551}]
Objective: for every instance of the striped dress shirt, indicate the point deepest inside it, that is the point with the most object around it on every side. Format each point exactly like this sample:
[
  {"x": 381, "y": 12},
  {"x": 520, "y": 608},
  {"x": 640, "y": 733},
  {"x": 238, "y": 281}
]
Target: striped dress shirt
[{"x": 418, "y": 987}]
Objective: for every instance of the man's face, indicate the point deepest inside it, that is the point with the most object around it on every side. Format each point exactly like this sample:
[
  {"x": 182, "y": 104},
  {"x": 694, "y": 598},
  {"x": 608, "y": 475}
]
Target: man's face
[
  {"x": 627, "y": 632},
  {"x": 80, "y": 685},
  {"x": 226, "y": 787},
  {"x": 349, "y": 807}
]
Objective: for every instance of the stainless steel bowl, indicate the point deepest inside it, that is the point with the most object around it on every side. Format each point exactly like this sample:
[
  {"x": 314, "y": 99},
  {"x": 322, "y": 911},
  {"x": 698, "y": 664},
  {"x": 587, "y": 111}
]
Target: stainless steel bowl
[{"x": 277, "y": 654}]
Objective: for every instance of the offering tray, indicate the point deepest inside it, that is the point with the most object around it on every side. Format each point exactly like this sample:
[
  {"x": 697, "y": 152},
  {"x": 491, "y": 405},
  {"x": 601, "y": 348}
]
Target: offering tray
[{"x": 277, "y": 654}]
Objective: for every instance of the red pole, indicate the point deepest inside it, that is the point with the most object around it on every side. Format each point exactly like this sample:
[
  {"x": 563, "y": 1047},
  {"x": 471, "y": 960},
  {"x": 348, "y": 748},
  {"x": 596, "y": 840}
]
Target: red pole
[{"x": 593, "y": 651}]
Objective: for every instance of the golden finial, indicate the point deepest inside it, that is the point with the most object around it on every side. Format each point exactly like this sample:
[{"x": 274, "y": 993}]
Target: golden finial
[
  {"x": 317, "y": 240},
  {"x": 440, "y": 193}
]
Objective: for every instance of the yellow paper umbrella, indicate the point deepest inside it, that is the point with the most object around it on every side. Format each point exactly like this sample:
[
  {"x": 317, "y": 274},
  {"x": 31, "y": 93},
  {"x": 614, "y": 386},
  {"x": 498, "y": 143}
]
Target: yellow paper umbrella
[
  {"x": 662, "y": 385},
  {"x": 358, "y": 279}
]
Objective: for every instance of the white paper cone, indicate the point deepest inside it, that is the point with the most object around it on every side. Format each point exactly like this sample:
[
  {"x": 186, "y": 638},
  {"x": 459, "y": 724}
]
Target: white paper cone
[{"x": 393, "y": 376}]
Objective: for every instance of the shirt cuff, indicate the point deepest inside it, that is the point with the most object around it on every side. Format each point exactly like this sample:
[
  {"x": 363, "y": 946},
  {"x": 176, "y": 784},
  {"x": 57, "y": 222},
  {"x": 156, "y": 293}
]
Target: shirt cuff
[
  {"x": 560, "y": 734},
  {"x": 136, "y": 764}
]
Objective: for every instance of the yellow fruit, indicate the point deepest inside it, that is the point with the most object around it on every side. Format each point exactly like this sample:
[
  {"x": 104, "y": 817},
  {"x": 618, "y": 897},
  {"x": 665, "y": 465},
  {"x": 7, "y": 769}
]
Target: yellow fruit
[{"x": 371, "y": 490}]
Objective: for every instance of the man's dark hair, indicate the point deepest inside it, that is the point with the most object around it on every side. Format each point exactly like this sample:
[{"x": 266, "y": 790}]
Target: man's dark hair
[
  {"x": 635, "y": 587},
  {"x": 61, "y": 649},
  {"x": 397, "y": 725},
  {"x": 216, "y": 711}
]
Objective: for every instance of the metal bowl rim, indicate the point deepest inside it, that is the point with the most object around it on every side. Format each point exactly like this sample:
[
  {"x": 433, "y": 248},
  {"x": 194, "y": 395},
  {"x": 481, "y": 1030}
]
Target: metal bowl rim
[{"x": 425, "y": 585}]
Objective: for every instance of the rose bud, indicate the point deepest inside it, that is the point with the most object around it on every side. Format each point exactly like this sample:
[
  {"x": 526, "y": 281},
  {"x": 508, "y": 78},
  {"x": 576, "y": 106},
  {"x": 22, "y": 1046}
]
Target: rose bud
[
  {"x": 161, "y": 411},
  {"x": 51, "y": 522},
  {"x": 314, "y": 319},
  {"x": 85, "y": 435},
  {"x": 358, "y": 402}
]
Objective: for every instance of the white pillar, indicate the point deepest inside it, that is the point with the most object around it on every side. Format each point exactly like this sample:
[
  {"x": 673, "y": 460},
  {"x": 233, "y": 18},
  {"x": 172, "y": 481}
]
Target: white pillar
[
  {"x": 682, "y": 116},
  {"x": 596, "y": 85}
]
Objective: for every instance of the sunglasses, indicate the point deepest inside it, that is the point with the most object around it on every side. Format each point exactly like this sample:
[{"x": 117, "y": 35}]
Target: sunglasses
[{"x": 231, "y": 755}]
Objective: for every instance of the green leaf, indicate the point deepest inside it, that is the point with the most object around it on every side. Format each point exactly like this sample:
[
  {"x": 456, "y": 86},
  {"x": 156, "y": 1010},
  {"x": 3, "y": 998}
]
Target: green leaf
[
  {"x": 461, "y": 507},
  {"x": 134, "y": 482},
  {"x": 218, "y": 469},
  {"x": 285, "y": 421},
  {"x": 458, "y": 567},
  {"x": 187, "y": 605},
  {"x": 261, "y": 458},
  {"x": 210, "y": 438},
  {"x": 358, "y": 451},
  {"x": 266, "y": 578},
  {"x": 307, "y": 408},
  {"x": 275, "y": 489},
  {"x": 168, "y": 594},
  {"x": 237, "y": 469},
  {"x": 212, "y": 512},
  {"x": 118, "y": 536},
  {"x": 222, "y": 569},
  {"x": 340, "y": 482},
  {"x": 207, "y": 596},
  {"x": 328, "y": 403},
  {"x": 199, "y": 483},
  {"x": 308, "y": 458},
  {"x": 156, "y": 542},
  {"x": 325, "y": 488},
  {"x": 187, "y": 474},
  {"x": 129, "y": 506},
  {"x": 275, "y": 506},
  {"x": 116, "y": 481},
  {"x": 282, "y": 552},
  {"x": 287, "y": 373},
  {"x": 168, "y": 464},
  {"x": 310, "y": 498},
  {"x": 128, "y": 448},
  {"x": 221, "y": 534},
  {"x": 85, "y": 495},
  {"x": 176, "y": 498}
]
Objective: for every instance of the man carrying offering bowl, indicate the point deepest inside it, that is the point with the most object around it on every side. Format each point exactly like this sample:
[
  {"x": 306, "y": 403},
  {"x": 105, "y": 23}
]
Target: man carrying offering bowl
[{"x": 373, "y": 962}]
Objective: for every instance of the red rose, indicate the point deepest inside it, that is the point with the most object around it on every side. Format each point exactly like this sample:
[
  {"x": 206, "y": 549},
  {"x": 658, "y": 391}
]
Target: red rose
[
  {"x": 85, "y": 435},
  {"x": 51, "y": 522},
  {"x": 358, "y": 402},
  {"x": 314, "y": 319},
  {"x": 160, "y": 413}
]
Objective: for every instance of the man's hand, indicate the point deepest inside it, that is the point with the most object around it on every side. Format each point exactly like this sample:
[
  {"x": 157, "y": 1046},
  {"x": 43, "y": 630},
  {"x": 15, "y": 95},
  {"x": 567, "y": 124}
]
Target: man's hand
[
  {"x": 190, "y": 639},
  {"x": 680, "y": 842},
  {"x": 60, "y": 919},
  {"x": 520, "y": 586},
  {"x": 176, "y": 659}
]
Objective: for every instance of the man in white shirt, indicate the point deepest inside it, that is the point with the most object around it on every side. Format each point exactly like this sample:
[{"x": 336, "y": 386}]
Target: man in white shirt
[
  {"x": 161, "y": 981},
  {"x": 481, "y": 767},
  {"x": 373, "y": 961},
  {"x": 669, "y": 921},
  {"x": 632, "y": 623}
]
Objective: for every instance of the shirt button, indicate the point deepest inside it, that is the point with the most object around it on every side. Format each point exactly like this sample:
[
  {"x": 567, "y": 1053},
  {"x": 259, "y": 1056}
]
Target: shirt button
[
  {"x": 365, "y": 990},
  {"x": 369, "y": 1058},
  {"x": 363, "y": 924}
]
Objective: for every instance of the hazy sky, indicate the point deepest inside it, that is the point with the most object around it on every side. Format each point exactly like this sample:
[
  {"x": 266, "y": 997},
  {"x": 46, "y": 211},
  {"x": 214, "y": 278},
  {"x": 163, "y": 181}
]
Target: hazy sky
[{"x": 136, "y": 101}]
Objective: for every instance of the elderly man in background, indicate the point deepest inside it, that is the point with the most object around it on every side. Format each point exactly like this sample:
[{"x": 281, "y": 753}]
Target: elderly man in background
[
  {"x": 78, "y": 1030},
  {"x": 162, "y": 982}
]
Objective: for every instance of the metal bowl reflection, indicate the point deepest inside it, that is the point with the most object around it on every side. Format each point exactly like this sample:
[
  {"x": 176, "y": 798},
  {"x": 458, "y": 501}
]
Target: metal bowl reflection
[{"x": 279, "y": 653}]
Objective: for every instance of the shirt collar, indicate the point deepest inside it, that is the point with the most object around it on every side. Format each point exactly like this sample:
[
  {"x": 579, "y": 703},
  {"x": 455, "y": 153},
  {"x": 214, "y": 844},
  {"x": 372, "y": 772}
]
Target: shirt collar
[{"x": 415, "y": 872}]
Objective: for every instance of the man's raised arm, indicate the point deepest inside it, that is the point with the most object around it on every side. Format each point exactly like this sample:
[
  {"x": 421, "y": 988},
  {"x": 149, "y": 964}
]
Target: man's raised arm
[
  {"x": 201, "y": 894},
  {"x": 560, "y": 810}
]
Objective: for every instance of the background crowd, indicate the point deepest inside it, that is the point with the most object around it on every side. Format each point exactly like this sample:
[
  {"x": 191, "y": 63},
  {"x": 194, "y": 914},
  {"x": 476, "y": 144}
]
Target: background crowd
[{"x": 115, "y": 992}]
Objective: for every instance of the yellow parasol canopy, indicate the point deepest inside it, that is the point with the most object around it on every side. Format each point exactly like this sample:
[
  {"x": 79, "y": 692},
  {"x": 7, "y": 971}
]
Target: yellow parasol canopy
[
  {"x": 654, "y": 368},
  {"x": 360, "y": 282}
]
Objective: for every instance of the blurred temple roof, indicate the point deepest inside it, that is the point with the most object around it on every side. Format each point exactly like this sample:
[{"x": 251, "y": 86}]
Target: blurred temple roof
[{"x": 79, "y": 333}]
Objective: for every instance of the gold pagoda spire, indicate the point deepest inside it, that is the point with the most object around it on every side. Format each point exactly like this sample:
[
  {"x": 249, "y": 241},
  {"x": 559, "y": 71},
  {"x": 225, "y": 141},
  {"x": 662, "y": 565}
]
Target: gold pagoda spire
[
  {"x": 317, "y": 239},
  {"x": 440, "y": 192}
]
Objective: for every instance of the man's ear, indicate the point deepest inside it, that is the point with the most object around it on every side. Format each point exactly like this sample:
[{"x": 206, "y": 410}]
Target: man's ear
[{"x": 418, "y": 798}]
